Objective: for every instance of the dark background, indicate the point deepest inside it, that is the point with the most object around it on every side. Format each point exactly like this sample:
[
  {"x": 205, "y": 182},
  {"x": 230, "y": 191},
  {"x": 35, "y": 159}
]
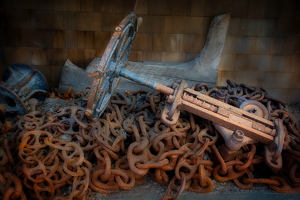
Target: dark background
[{"x": 262, "y": 45}]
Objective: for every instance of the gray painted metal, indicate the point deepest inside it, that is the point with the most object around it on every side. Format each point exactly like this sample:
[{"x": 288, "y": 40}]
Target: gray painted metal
[
  {"x": 204, "y": 68},
  {"x": 21, "y": 82}
]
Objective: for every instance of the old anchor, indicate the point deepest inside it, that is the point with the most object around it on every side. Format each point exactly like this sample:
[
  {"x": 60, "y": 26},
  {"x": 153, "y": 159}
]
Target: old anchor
[{"x": 112, "y": 67}]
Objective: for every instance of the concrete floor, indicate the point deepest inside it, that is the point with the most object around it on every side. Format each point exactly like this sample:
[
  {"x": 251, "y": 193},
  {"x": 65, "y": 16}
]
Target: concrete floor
[{"x": 151, "y": 190}]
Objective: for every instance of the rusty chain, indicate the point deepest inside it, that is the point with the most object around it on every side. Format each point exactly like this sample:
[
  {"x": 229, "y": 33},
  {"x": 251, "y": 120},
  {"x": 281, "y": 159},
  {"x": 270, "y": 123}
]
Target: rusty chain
[{"x": 129, "y": 141}]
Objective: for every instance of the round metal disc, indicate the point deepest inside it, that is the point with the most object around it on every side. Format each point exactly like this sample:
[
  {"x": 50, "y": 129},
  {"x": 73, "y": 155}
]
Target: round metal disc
[
  {"x": 113, "y": 60},
  {"x": 255, "y": 108}
]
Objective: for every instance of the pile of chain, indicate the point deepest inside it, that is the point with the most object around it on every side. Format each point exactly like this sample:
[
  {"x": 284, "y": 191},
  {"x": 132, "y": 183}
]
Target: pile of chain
[{"x": 63, "y": 155}]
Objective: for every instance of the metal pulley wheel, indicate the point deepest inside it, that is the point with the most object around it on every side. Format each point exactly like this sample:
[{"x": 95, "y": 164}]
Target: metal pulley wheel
[
  {"x": 255, "y": 108},
  {"x": 20, "y": 83},
  {"x": 115, "y": 58}
]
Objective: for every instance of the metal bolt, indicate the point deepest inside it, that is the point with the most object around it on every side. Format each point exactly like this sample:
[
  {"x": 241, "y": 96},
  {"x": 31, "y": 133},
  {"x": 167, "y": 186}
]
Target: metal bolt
[
  {"x": 253, "y": 111},
  {"x": 88, "y": 114},
  {"x": 118, "y": 29},
  {"x": 221, "y": 93},
  {"x": 239, "y": 135},
  {"x": 95, "y": 74}
]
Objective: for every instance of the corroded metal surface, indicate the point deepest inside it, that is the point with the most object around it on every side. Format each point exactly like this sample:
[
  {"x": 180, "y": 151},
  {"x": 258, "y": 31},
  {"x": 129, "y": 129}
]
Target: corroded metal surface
[
  {"x": 21, "y": 82},
  {"x": 204, "y": 67},
  {"x": 56, "y": 150},
  {"x": 115, "y": 57},
  {"x": 250, "y": 119},
  {"x": 176, "y": 139},
  {"x": 234, "y": 120}
]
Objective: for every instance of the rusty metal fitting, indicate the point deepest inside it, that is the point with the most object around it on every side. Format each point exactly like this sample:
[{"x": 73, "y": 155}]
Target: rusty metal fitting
[
  {"x": 7, "y": 126},
  {"x": 118, "y": 29},
  {"x": 275, "y": 165},
  {"x": 33, "y": 102},
  {"x": 234, "y": 140},
  {"x": 238, "y": 135},
  {"x": 220, "y": 94},
  {"x": 255, "y": 108},
  {"x": 2, "y": 111},
  {"x": 226, "y": 153},
  {"x": 21, "y": 82},
  {"x": 88, "y": 114},
  {"x": 97, "y": 74}
]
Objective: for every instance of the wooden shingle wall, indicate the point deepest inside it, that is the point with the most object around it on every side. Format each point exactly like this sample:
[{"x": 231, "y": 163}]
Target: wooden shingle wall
[{"x": 262, "y": 45}]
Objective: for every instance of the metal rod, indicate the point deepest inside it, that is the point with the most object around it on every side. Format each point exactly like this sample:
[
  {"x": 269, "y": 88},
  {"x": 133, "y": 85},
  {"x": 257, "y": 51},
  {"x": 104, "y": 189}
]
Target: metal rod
[
  {"x": 146, "y": 82},
  {"x": 135, "y": 5}
]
